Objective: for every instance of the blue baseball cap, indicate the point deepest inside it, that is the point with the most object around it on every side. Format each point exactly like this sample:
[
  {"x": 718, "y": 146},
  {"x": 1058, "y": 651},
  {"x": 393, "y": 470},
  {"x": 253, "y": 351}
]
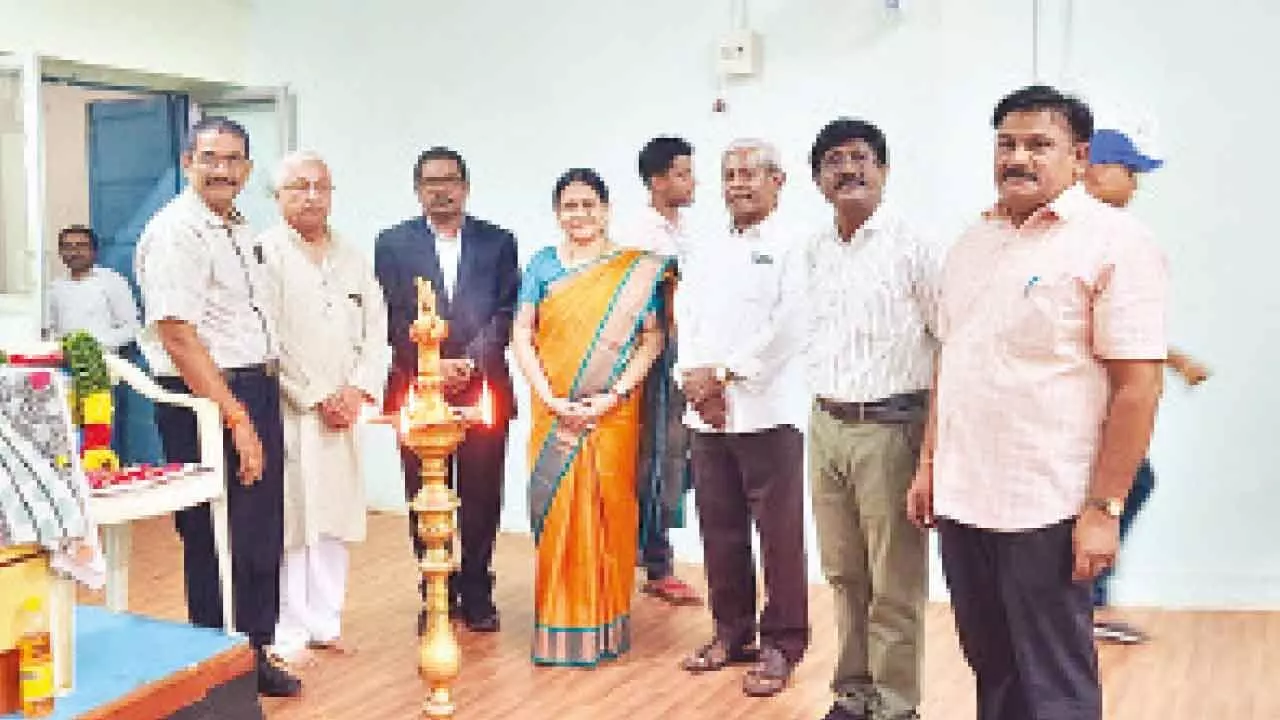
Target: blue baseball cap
[{"x": 1112, "y": 147}]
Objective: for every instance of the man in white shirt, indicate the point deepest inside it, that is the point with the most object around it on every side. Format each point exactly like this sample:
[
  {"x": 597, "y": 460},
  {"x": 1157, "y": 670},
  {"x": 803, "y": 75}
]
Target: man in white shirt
[
  {"x": 91, "y": 298},
  {"x": 740, "y": 312},
  {"x": 207, "y": 334},
  {"x": 872, "y": 292},
  {"x": 663, "y": 477},
  {"x": 99, "y": 301},
  {"x": 331, "y": 328}
]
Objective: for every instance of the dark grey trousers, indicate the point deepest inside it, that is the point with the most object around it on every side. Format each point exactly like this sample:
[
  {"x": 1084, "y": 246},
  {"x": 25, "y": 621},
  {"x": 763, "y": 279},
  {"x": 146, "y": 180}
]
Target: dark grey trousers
[{"x": 1025, "y": 627}]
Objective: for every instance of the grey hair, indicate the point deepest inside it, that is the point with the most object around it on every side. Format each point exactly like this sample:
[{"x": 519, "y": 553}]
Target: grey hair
[
  {"x": 289, "y": 162},
  {"x": 765, "y": 150}
]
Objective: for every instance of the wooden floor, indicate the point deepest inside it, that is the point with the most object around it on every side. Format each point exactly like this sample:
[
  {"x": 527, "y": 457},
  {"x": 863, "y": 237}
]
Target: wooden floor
[{"x": 1201, "y": 666}]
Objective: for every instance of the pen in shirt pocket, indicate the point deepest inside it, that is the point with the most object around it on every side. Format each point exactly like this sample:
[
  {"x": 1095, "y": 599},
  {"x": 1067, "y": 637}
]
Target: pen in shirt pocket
[{"x": 1026, "y": 291}]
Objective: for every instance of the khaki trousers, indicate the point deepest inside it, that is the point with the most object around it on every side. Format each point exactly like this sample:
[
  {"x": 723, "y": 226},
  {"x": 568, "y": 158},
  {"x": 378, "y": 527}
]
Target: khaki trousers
[{"x": 874, "y": 558}]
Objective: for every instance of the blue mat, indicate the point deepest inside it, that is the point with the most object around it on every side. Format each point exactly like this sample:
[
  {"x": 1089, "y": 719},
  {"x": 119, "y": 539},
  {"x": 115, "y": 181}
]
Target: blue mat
[{"x": 118, "y": 653}]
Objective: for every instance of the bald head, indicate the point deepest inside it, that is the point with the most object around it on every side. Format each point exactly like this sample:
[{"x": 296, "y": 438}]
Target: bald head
[{"x": 304, "y": 192}]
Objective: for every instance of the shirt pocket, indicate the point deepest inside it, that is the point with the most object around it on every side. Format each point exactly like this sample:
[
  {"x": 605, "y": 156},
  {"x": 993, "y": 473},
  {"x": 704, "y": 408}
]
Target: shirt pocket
[{"x": 1043, "y": 319}]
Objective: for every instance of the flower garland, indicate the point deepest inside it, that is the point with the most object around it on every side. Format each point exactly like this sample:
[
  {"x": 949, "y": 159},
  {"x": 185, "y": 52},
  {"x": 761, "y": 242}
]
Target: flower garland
[{"x": 91, "y": 401}]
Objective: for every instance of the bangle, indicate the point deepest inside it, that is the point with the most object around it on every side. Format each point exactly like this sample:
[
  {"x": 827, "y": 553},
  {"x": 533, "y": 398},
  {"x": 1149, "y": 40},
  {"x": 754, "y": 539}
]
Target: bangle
[{"x": 236, "y": 417}]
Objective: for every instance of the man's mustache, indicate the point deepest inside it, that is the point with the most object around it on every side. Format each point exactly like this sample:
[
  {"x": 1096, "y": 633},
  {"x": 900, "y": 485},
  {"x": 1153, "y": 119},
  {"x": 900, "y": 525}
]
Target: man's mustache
[
  {"x": 1018, "y": 174},
  {"x": 845, "y": 181}
]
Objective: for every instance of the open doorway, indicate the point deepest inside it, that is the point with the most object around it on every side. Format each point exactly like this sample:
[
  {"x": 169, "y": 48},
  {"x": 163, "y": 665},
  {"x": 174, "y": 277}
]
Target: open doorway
[
  {"x": 100, "y": 147},
  {"x": 52, "y": 174}
]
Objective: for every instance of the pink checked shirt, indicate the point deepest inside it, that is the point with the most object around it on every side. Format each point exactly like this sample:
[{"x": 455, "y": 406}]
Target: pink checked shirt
[{"x": 1027, "y": 315}]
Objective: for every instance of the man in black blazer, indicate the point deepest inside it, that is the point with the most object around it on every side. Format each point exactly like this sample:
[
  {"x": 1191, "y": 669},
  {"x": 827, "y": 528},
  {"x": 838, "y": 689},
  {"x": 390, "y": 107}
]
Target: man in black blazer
[{"x": 473, "y": 270}]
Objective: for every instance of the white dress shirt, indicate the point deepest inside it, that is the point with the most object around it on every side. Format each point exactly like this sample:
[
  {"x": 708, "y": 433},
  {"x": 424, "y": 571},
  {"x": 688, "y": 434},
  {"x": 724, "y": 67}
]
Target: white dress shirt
[
  {"x": 741, "y": 305},
  {"x": 197, "y": 267},
  {"x": 100, "y": 304},
  {"x": 872, "y": 309},
  {"x": 449, "y": 255},
  {"x": 652, "y": 232}
]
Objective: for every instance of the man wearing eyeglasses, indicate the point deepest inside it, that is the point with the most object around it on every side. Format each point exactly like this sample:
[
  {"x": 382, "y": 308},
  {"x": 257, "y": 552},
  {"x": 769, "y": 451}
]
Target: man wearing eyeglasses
[
  {"x": 474, "y": 273},
  {"x": 331, "y": 328},
  {"x": 872, "y": 297},
  {"x": 207, "y": 334}
]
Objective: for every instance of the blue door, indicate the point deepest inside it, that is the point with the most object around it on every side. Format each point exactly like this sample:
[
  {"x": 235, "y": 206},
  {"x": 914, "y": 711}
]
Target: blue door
[{"x": 134, "y": 151}]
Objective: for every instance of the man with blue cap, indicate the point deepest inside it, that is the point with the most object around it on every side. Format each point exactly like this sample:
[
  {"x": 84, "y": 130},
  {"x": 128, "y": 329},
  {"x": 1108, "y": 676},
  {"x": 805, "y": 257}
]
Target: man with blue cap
[{"x": 1112, "y": 177}]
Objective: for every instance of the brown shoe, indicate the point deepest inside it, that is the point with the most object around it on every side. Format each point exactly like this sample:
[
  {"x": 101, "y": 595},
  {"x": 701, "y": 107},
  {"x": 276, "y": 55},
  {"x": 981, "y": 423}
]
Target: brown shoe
[
  {"x": 769, "y": 676},
  {"x": 715, "y": 655}
]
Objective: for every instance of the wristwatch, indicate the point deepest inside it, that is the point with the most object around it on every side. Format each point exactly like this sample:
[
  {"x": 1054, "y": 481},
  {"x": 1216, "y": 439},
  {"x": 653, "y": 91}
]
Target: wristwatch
[{"x": 1111, "y": 506}]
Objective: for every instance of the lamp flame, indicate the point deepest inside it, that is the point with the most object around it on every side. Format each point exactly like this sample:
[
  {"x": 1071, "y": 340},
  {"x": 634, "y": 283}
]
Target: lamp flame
[
  {"x": 406, "y": 410},
  {"x": 486, "y": 405}
]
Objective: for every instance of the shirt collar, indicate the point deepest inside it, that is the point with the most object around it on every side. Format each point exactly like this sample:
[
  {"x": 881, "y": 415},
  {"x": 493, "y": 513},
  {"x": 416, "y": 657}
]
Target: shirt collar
[
  {"x": 874, "y": 224},
  {"x": 1068, "y": 204},
  {"x": 660, "y": 221},
  {"x": 436, "y": 234},
  {"x": 760, "y": 231},
  {"x": 197, "y": 206}
]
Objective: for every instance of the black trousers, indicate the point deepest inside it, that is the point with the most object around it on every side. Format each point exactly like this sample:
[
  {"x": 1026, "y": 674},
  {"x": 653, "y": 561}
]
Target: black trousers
[
  {"x": 255, "y": 513},
  {"x": 476, "y": 473},
  {"x": 1025, "y": 627},
  {"x": 739, "y": 478}
]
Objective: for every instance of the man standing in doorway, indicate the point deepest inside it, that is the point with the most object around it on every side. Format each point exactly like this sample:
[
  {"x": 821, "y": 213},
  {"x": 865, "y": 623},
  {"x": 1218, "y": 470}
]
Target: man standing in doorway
[
  {"x": 473, "y": 270},
  {"x": 666, "y": 168},
  {"x": 99, "y": 301},
  {"x": 1115, "y": 163},
  {"x": 1052, "y": 324},
  {"x": 207, "y": 334},
  {"x": 872, "y": 297},
  {"x": 741, "y": 366}
]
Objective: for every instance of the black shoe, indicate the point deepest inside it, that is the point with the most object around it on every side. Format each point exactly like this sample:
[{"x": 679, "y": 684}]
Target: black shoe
[
  {"x": 487, "y": 622},
  {"x": 274, "y": 680},
  {"x": 840, "y": 712}
]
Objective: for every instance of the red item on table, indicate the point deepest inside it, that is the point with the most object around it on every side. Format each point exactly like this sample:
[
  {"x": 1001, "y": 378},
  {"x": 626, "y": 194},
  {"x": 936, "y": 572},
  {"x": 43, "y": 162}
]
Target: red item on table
[
  {"x": 47, "y": 360},
  {"x": 97, "y": 436}
]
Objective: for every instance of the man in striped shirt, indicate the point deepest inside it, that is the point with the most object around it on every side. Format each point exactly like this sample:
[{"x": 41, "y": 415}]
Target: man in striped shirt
[{"x": 870, "y": 356}]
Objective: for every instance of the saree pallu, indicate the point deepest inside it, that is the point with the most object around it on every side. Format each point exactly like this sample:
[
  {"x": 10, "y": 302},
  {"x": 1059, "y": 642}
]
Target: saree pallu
[{"x": 582, "y": 493}]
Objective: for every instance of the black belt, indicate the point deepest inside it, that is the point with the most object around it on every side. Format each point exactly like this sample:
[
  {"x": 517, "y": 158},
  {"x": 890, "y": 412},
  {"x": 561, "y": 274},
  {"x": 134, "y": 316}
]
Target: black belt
[
  {"x": 900, "y": 408},
  {"x": 270, "y": 368}
]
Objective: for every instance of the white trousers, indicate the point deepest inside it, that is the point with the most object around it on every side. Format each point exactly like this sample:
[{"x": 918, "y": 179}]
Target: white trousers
[{"x": 313, "y": 585}]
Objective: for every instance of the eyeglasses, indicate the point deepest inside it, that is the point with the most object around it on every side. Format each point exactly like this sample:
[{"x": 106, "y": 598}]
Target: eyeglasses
[
  {"x": 445, "y": 181},
  {"x": 837, "y": 160},
  {"x": 212, "y": 161},
  {"x": 307, "y": 187}
]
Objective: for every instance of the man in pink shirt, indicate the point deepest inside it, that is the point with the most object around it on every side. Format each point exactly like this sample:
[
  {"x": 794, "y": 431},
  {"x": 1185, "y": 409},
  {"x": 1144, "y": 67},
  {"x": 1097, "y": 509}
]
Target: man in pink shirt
[{"x": 1052, "y": 330}]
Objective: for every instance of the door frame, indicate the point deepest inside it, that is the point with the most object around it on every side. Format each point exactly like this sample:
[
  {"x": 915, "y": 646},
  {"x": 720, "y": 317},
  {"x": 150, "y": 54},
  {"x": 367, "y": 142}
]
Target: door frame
[
  {"x": 28, "y": 67},
  {"x": 35, "y": 71}
]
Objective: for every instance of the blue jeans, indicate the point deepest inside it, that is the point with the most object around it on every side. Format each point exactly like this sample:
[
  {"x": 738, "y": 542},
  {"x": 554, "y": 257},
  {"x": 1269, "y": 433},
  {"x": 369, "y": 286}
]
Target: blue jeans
[{"x": 1144, "y": 481}]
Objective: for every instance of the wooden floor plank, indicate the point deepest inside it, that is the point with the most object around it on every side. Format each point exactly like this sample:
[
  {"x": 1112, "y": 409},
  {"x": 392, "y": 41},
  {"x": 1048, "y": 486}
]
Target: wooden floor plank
[{"x": 1199, "y": 666}]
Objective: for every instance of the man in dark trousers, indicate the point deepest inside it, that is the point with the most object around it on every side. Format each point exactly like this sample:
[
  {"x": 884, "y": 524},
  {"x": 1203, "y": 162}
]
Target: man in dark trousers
[
  {"x": 207, "y": 334},
  {"x": 473, "y": 270}
]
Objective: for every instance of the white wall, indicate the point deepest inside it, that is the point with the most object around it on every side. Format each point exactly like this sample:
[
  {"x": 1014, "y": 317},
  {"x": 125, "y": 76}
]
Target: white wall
[
  {"x": 535, "y": 88},
  {"x": 196, "y": 38},
  {"x": 204, "y": 39}
]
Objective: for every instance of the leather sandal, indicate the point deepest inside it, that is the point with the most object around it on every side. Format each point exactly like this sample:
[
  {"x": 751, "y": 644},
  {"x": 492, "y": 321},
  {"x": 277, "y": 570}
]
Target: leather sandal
[
  {"x": 715, "y": 655},
  {"x": 673, "y": 591},
  {"x": 769, "y": 676}
]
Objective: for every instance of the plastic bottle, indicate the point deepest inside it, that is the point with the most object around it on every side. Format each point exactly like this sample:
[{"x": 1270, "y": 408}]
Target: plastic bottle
[{"x": 35, "y": 660}]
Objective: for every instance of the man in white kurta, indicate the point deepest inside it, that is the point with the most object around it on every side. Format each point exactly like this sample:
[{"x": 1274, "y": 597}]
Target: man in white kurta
[{"x": 330, "y": 324}]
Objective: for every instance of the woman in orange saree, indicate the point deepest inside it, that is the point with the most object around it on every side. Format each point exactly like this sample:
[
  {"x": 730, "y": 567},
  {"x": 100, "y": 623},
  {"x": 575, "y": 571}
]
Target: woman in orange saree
[{"x": 585, "y": 336}]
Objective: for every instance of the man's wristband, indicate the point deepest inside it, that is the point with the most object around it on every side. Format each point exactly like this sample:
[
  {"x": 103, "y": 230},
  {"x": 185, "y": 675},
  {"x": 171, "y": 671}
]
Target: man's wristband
[{"x": 236, "y": 417}]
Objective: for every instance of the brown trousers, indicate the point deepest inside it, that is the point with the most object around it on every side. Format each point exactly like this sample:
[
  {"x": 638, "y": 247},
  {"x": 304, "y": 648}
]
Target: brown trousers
[{"x": 739, "y": 478}]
